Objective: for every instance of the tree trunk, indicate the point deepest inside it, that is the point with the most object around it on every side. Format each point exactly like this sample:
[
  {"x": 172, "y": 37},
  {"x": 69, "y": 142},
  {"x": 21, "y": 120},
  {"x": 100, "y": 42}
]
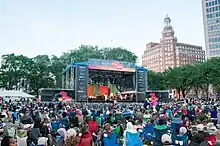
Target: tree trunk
[
  {"x": 178, "y": 90},
  {"x": 183, "y": 92},
  {"x": 206, "y": 89},
  {"x": 196, "y": 91},
  {"x": 37, "y": 93},
  {"x": 207, "y": 93}
]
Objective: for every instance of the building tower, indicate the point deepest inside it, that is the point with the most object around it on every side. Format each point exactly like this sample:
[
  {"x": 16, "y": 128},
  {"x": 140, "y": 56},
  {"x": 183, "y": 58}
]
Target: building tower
[
  {"x": 211, "y": 22},
  {"x": 168, "y": 43},
  {"x": 168, "y": 52}
]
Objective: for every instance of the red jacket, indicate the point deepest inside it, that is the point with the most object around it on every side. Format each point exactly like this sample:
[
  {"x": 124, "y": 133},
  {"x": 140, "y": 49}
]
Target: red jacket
[
  {"x": 85, "y": 140},
  {"x": 93, "y": 126}
]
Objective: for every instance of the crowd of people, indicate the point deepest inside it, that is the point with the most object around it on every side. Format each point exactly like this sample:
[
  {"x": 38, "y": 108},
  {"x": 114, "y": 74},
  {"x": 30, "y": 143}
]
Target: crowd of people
[
  {"x": 119, "y": 97},
  {"x": 176, "y": 123}
]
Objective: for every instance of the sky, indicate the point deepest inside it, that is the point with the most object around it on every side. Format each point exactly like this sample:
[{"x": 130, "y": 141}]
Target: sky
[{"x": 35, "y": 27}]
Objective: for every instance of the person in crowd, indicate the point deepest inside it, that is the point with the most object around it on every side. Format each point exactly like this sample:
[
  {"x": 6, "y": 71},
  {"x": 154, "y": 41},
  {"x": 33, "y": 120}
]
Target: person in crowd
[
  {"x": 37, "y": 120},
  {"x": 60, "y": 138},
  {"x": 33, "y": 135},
  {"x": 131, "y": 135},
  {"x": 130, "y": 128},
  {"x": 26, "y": 119},
  {"x": 45, "y": 114},
  {"x": 93, "y": 125},
  {"x": 71, "y": 137},
  {"x": 198, "y": 121},
  {"x": 85, "y": 138},
  {"x": 45, "y": 126},
  {"x": 214, "y": 115},
  {"x": 65, "y": 120},
  {"x": 166, "y": 140},
  {"x": 15, "y": 115},
  {"x": 8, "y": 141}
]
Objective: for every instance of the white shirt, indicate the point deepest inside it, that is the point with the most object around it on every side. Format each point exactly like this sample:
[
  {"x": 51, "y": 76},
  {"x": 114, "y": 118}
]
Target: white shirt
[{"x": 42, "y": 141}]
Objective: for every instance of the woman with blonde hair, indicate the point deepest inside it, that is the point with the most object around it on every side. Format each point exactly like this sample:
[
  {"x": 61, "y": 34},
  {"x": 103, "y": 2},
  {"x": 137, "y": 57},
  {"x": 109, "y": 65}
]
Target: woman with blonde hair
[{"x": 71, "y": 137}]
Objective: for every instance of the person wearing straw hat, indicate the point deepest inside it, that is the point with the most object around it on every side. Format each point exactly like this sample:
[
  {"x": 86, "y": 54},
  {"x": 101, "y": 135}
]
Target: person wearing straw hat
[{"x": 166, "y": 140}]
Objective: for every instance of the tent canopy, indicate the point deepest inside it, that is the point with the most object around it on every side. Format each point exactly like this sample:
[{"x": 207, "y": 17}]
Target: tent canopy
[{"x": 12, "y": 93}]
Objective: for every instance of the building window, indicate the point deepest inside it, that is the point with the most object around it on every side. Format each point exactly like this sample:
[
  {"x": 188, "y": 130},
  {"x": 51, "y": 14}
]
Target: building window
[
  {"x": 207, "y": 10},
  {"x": 215, "y": 52}
]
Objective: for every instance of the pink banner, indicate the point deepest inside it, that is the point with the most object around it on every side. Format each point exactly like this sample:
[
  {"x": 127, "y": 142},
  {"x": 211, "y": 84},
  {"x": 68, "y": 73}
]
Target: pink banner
[{"x": 112, "y": 68}]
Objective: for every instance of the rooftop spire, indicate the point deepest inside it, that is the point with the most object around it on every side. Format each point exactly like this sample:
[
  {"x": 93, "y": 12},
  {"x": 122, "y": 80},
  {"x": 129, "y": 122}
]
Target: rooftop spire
[{"x": 167, "y": 21}]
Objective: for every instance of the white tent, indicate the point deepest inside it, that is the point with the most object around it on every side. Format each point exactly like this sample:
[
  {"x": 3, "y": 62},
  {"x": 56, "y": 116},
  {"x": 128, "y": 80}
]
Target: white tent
[{"x": 12, "y": 93}]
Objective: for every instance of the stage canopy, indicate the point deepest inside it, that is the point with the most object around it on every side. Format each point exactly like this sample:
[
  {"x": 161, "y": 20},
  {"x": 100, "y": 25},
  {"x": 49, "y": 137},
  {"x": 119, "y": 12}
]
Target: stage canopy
[
  {"x": 12, "y": 93},
  {"x": 110, "y": 65}
]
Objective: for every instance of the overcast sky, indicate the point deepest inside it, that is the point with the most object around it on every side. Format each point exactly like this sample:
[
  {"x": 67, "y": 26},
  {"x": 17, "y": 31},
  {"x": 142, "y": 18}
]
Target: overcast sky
[{"x": 33, "y": 27}]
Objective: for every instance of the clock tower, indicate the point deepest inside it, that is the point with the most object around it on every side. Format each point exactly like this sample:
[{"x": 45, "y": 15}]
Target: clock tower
[
  {"x": 168, "y": 32},
  {"x": 168, "y": 45}
]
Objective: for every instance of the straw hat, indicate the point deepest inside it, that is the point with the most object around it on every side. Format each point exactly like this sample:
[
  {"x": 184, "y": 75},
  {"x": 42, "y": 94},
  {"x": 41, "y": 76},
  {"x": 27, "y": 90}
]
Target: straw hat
[
  {"x": 166, "y": 139},
  {"x": 183, "y": 130}
]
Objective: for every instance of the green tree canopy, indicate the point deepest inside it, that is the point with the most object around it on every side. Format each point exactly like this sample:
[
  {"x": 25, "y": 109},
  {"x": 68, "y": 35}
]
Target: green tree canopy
[
  {"x": 43, "y": 71},
  {"x": 85, "y": 52},
  {"x": 156, "y": 81}
]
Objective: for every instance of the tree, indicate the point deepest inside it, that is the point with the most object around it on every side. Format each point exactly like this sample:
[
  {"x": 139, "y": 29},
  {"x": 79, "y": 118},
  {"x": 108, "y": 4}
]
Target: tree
[
  {"x": 30, "y": 74},
  {"x": 41, "y": 76},
  {"x": 215, "y": 73},
  {"x": 119, "y": 53},
  {"x": 14, "y": 70},
  {"x": 179, "y": 78},
  {"x": 194, "y": 78},
  {"x": 209, "y": 74},
  {"x": 57, "y": 64},
  {"x": 205, "y": 76},
  {"x": 156, "y": 81},
  {"x": 84, "y": 52}
]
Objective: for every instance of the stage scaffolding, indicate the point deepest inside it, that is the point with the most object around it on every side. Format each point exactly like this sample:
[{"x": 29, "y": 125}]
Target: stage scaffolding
[{"x": 76, "y": 76}]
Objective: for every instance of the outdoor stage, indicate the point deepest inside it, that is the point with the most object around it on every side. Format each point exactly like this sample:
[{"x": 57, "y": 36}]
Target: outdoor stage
[{"x": 105, "y": 80}]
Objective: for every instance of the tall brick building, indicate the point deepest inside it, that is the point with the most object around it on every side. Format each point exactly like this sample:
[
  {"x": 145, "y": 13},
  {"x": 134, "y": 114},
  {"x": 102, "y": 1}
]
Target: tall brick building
[{"x": 159, "y": 57}]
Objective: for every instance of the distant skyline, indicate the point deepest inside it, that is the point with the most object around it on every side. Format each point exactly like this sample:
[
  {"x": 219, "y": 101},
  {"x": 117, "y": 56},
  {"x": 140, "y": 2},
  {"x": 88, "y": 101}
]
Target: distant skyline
[{"x": 55, "y": 26}]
